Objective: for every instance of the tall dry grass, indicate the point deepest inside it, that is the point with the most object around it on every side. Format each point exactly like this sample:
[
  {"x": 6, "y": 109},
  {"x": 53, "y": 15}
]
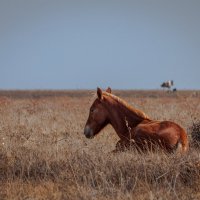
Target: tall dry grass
[{"x": 44, "y": 154}]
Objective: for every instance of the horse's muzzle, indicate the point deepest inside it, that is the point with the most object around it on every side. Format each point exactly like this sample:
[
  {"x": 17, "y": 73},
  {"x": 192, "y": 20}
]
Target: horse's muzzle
[{"x": 88, "y": 132}]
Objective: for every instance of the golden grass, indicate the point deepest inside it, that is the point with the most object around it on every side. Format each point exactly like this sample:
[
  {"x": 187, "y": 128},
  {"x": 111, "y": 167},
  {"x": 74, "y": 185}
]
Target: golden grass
[{"x": 44, "y": 154}]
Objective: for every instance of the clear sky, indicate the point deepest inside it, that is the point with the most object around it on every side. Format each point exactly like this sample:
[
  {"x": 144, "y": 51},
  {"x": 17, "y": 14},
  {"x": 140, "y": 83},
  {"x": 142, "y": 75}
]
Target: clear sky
[{"x": 82, "y": 44}]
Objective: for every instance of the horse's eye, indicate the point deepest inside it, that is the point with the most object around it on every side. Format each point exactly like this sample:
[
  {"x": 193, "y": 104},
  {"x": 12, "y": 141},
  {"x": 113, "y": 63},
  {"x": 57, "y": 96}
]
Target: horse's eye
[{"x": 92, "y": 110}]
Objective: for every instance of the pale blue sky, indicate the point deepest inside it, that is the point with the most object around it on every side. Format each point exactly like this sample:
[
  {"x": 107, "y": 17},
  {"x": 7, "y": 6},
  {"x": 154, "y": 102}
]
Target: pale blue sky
[{"x": 47, "y": 44}]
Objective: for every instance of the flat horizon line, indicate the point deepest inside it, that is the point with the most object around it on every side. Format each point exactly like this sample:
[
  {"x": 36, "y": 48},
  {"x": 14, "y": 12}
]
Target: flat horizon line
[{"x": 89, "y": 89}]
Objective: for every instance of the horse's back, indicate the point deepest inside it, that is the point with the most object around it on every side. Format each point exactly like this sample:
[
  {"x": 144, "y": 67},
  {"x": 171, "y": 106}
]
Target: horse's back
[{"x": 168, "y": 133}]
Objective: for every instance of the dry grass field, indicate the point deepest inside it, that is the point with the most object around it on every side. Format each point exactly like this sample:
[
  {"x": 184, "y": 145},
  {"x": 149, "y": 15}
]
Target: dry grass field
[{"x": 44, "y": 154}]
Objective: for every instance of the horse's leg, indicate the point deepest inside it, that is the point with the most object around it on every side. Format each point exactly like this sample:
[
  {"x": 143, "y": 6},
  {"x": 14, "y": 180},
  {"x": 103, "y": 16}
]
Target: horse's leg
[{"x": 122, "y": 145}]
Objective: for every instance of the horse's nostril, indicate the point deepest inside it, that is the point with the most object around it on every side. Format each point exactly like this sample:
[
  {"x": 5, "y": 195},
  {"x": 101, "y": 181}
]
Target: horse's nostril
[{"x": 88, "y": 132}]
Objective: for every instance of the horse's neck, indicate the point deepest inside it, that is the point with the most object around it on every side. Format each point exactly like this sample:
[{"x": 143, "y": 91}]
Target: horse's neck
[{"x": 122, "y": 119}]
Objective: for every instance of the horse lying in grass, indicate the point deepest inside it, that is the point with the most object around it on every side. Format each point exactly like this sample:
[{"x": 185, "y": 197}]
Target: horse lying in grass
[{"x": 134, "y": 127}]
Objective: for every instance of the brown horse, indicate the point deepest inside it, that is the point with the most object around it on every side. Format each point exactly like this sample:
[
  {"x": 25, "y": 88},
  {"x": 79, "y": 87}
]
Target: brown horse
[{"x": 134, "y": 128}]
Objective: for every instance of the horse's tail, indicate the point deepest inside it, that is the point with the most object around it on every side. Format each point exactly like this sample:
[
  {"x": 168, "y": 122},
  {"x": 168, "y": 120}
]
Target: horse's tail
[{"x": 183, "y": 140}]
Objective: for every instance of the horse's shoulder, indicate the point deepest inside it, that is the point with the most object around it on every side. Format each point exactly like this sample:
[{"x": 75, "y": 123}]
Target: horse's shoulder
[
  {"x": 148, "y": 126},
  {"x": 145, "y": 123}
]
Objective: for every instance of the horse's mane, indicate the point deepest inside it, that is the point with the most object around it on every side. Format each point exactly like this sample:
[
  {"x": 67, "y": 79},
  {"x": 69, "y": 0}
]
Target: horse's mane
[{"x": 126, "y": 105}]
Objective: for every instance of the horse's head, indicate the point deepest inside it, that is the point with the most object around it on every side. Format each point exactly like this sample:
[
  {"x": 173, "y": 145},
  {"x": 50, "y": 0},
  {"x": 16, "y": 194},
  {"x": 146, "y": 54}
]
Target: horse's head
[{"x": 98, "y": 116}]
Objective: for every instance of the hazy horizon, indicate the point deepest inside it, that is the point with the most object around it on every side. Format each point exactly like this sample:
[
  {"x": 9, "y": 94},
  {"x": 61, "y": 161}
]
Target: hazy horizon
[{"x": 87, "y": 44}]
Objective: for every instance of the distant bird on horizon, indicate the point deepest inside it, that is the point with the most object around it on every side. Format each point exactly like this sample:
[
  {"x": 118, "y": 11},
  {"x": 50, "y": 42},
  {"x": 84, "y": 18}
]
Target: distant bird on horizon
[{"x": 167, "y": 84}]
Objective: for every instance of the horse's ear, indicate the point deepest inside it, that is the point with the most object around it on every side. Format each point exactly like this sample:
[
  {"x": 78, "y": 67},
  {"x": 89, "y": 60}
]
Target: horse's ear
[
  {"x": 99, "y": 93},
  {"x": 109, "y": 90}
]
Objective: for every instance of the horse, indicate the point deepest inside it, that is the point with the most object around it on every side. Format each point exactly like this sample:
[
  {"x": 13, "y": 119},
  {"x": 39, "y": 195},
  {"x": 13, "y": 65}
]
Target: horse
[
  {"x": 167, "y": 84},
  {"x": 133, "y": 127}
]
